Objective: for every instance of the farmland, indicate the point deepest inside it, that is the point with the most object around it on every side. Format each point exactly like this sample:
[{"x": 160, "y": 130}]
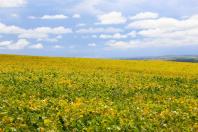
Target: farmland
[{"x": 74, "y": 94}]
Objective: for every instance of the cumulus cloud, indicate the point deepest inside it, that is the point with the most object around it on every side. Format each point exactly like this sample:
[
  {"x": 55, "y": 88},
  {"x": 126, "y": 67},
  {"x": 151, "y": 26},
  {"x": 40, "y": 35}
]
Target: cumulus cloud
[
  {"x": 44, "y": 32},
  {"x": 161, "y": 32},
  {"x": 152, "y": 42},
  {"x": 20, "y": 44},
  {"x": 54, "y": 17},
  {"x": 32, "y": 17},
  {"x": 58, "y": 47},
  {"x": 76, "y": 16},
  {"x": 170, "y": 7},
  {"x": 145, "y": 15},
  {"x": 88, "y": 6},
  {"x": 12, "y": 3},
  {"x": 36, "y": 33},
  {"x": 49, "y": 17},
  {"x": 4, "y": 29},
  {"x": 14, "y": 15},
  {"x": 92, "y": 44},
  {"x": 37, "y": 46},
  {"x": 98, "y": 30},
  {"x": 32, "y": 35},
  {"x": 157, "y": 23},
  {"x": 54, "y": 39},
  {"x": 168, "y": 27},
  {"x": 112, "y": 44},
  {"x": 112, "y": 18},
  {"x": 103, "y": 6},
  {"x": 49, "y": 30},
  {"x": 113, "y": 36},
  {"x": 131, "y": 34}
]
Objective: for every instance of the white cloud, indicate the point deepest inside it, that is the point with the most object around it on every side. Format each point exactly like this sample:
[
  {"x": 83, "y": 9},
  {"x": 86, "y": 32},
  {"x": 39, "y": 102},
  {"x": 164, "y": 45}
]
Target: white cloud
[
  {"x": 103, "y": 6},
  {"x": 92, "y": 45},
  {"x": 51, "y": 17},
  {"x": 49, "y": 30},
  {"x": 98, "y": 30},
  {"x": 39, "y": 35},
  {"x": 4, "y": 44},
  {"x": 131, "y": 34},
  {"x": 76, "y": 16},
  {"x": 166, "y": 23},
  {"x": 37, "y": 46},
  {"x": 12, "y": 3},
  {"x": 145, "y": 15},
  {"x": 32, "y": 35},
  {"x": 152, "y": 43},
  {"x": 114, "y": 36},
  {"x": 32, "y": 17},
  {"x": 54, "y": 39},
  {"x": 87, "y": 6},
  {"x": 119, "y": 45},
  {"x": 157, "y": 23},
  {"x": 20, "y": 44},
  {"x": 14, "y": 15},
  {"x": 170, "y": 7},
  {"x": 4, "y": 29},
  {"x": 58, "y": 47},
  {"x": 112, "y": 18},
  {"x": 167, "y": 27},
  {"x": 36, "y": 33},
  {"x": 161, "y": 32}
]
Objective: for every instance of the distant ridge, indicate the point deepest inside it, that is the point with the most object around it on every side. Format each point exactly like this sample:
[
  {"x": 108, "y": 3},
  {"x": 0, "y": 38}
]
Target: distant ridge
[{"x": 182, "y": 58}]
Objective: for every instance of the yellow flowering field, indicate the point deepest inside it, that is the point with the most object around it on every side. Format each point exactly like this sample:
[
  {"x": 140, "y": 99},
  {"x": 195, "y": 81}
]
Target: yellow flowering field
[{"x": 73, "y": 94}]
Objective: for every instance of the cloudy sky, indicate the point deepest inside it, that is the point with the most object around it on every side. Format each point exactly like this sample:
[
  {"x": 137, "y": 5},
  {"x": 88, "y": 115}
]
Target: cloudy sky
[{"x": 99, "y": 28}]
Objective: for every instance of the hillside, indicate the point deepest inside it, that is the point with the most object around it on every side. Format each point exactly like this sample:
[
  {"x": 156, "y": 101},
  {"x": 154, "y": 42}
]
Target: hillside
[{"x": 73, "y": 94}]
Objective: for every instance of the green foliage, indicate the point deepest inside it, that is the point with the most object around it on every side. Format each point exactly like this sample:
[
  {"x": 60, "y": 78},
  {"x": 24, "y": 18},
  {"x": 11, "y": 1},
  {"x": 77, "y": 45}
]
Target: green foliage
[{"x": 58, "y": 94}]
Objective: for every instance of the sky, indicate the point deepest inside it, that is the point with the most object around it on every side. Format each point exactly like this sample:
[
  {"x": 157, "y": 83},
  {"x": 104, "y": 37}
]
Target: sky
[{"x": 99, "y": 28}]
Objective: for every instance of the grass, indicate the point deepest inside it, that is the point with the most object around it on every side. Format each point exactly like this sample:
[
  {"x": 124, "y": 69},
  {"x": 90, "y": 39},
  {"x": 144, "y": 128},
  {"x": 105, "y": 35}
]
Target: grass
[{"x": 67, "y": 94}]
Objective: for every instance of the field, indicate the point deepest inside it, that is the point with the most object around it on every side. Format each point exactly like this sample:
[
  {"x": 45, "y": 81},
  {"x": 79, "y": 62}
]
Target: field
[{"x": 73, "y": 94}]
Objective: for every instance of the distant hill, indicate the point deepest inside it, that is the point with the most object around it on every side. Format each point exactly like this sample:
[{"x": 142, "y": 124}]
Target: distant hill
[{"x": 184, "y": 58}]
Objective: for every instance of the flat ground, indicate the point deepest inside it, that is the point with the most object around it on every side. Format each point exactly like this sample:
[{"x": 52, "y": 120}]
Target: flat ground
[{"x": 72, "y": 94}]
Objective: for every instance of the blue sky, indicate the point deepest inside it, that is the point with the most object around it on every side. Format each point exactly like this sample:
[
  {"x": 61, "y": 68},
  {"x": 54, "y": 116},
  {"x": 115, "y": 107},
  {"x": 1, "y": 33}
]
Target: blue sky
[{"x": 99, "y": 28}]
